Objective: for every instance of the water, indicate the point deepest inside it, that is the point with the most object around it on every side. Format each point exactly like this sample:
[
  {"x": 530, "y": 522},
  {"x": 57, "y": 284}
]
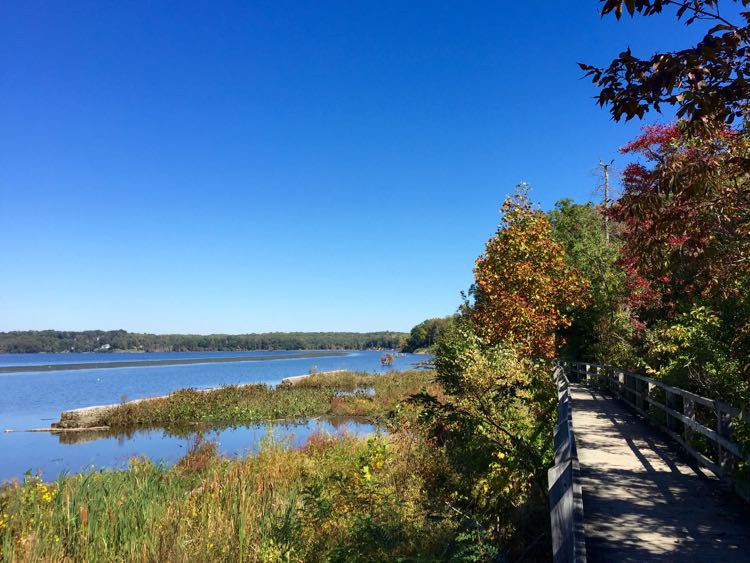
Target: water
[
  {"x": 54, "y": 454},
  {"x": 35, "y": 399},
  {"x": 95, "y": 357}
]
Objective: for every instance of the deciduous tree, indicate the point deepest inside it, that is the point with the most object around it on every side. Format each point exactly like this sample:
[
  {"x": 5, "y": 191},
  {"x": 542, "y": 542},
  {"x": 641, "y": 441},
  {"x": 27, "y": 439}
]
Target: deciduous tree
[{"x": 523, "y": 284}]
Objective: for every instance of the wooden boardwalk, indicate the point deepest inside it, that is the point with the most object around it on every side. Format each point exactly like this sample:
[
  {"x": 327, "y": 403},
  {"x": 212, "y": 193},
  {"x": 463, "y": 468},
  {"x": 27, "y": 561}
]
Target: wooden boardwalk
[{"x": 643, "y": 500}]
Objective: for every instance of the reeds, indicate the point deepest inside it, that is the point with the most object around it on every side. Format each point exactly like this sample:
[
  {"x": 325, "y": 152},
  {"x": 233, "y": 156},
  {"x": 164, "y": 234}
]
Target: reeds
[{"x": 336, "y": 498}]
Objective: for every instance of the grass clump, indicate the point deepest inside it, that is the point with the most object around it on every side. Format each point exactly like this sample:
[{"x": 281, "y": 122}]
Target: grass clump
[{"x": 323, "y": 394}]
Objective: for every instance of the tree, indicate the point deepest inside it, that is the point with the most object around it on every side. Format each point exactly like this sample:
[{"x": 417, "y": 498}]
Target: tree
[
  {"x": 685, "y": 230},
  {"x": 580, "y": 229},
  {"x": 708, "y": 82},
  {"x": 494, "y": 425},
  {"x": 523, "y": 284},
  {"x": 685, "y": 212},
  {"x": 425, "y": 334}
]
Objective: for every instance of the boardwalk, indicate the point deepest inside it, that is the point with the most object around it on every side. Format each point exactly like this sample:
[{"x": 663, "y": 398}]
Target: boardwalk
[{"x": 643, "y": 500}]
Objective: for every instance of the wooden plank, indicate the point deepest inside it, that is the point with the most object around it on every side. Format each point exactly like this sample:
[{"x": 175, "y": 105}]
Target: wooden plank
[
  {"x": 677, "y": 391},
  {"x": 563, "y": 442},
  {"x": 630, "y": 391},
  {"x": 644, "y": 504},
  {"x": 566, "y": 513},
  {"x": 706, "y": 462},
  {"x": 701, "y": 429}
]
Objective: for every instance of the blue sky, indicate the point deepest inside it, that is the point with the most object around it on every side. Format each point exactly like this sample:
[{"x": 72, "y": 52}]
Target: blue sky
[{"x": 258, "y": 166}]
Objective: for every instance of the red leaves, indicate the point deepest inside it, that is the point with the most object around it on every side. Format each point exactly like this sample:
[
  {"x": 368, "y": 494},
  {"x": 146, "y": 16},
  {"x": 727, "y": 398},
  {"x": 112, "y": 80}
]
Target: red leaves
[
  {"x": 677, "y": 240},
  {"x": 685, "y": 215},
  {"x": 653, "y": 140}
]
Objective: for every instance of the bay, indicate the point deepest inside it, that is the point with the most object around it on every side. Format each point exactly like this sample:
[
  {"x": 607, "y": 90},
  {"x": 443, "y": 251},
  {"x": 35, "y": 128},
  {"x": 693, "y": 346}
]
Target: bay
[{"x": 36, "y": 399}]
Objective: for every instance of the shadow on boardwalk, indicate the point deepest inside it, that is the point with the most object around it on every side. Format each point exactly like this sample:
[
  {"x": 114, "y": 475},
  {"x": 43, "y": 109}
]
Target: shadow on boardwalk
[{"x": 643, "y": 499}]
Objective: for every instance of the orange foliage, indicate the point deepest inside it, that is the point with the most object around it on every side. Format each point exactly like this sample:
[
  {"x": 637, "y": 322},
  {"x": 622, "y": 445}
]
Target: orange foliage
[{"x": 523, "y": 285}]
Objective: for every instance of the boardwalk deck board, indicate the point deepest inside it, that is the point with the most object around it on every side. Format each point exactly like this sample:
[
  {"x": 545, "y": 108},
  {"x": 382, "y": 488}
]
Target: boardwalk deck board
[{"x": 644, "y": 500}]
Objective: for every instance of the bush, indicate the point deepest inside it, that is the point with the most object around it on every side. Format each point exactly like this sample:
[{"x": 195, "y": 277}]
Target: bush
[{"x": 495, "y": 425}]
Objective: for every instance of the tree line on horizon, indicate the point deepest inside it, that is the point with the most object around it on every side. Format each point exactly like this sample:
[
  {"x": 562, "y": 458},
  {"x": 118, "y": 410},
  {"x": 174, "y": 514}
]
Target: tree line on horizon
[{"x": 55, "y": 341}]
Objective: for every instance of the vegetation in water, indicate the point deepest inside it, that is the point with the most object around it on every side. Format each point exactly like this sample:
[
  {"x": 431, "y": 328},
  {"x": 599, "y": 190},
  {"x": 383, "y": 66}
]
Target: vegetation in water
[{"x": 321, "y": 394}]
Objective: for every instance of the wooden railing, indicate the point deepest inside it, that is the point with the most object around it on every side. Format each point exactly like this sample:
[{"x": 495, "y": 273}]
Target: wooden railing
[
  {"x": 565, "y": 498},
  {"x": 702, "y": 426}
]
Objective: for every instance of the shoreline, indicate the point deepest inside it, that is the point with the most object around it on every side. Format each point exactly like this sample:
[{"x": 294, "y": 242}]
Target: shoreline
[{"x": 167, "y": 362}]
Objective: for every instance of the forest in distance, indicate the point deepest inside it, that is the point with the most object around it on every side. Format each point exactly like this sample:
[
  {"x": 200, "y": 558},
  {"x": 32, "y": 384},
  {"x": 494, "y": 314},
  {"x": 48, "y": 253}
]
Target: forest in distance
[
  {"x": 421, "y": 338},
  {"x": 55, "y": 341}
]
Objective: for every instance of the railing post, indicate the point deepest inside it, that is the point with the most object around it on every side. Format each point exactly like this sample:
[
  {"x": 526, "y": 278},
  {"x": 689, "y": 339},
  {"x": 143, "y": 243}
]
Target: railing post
[
  {"x": 673, "y": 402},
  {"x": 688, "y": 409},
  {"x": 641, "y": 387},
  {"x": 620, "y": 382},
  {"x": 723, "y": 426},
  {"x": 628, "y": 390},
  {"x": 639, "y": 394}
]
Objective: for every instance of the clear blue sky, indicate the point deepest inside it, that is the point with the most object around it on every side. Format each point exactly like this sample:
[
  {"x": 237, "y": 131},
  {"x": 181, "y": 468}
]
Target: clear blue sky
[{"x": 255, "y": 166}]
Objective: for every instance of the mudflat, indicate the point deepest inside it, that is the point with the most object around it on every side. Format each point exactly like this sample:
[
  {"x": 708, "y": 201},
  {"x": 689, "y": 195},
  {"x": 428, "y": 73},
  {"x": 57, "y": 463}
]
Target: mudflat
[{"x": 168, "y": 362}]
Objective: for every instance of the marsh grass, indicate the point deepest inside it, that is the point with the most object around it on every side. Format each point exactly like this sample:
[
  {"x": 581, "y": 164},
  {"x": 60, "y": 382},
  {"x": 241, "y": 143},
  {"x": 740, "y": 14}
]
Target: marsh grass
[
  {"x": 322, "y": 394},
  {"x": 344, "y": 499},
  {"x": 394, "y": 497}
]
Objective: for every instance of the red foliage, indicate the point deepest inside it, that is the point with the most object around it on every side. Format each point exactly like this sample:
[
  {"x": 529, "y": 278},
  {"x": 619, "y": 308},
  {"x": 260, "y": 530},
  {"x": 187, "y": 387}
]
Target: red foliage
[
  {"x": 653, "y": 141},
  {"x": 684, "y": 215}
]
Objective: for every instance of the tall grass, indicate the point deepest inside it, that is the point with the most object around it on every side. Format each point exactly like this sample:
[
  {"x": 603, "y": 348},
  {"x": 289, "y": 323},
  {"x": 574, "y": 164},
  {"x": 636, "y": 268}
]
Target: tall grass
[{"x": 342, "y": 499}]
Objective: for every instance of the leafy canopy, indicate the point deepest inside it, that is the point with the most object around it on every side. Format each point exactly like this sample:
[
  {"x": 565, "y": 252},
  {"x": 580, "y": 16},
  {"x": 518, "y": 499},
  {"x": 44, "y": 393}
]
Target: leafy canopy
[
  {"x": 580, "y": 229},
  {"x": 685, "y": 215},
  {"x": 523, "y": 283},
  {"x": 706, "y": 82}
]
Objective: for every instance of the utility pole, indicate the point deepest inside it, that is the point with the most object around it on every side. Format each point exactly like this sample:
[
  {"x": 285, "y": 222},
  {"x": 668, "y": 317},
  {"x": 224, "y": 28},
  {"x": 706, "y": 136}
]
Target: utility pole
[{"x": 605, "y": 170}]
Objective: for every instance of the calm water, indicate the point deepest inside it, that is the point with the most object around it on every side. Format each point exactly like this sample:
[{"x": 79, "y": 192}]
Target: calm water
[
  {"x": 35, "y": 399},
  {"x": 54, "y": 454},
  {"x": 94, "y": 357}
]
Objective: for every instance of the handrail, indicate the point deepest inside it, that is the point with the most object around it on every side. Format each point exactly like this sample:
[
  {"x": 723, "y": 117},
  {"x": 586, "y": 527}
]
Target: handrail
[
  {"x": 679, "y": 412},
  {"x": 565, "y": 498}
]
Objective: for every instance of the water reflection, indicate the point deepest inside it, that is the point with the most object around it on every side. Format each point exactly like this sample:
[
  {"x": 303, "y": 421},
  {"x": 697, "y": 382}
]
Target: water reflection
[
  {"x": 52, "y": 454},
  {"x": 338, "y": 424}
]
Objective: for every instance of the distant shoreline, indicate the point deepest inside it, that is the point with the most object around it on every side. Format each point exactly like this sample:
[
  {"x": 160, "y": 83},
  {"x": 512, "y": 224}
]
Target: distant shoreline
[{"x": 168, "y": 362}]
